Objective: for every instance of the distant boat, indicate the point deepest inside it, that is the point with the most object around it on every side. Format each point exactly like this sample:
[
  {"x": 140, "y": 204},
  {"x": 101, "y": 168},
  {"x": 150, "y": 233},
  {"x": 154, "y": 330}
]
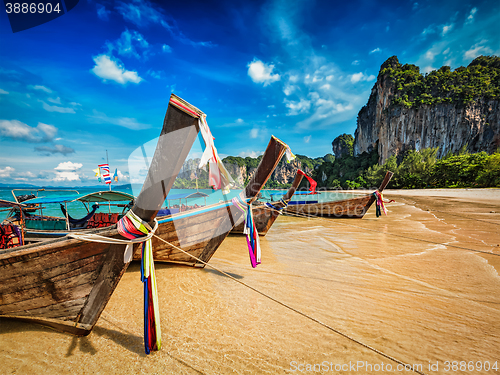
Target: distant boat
[
  {"x": 265, "y": 214},
  {"x": 39, "y": 227},
  {"x": 200, "y": 231},
  {"x": 346, "y": 208},
  {"x": 66, "y": 283}
]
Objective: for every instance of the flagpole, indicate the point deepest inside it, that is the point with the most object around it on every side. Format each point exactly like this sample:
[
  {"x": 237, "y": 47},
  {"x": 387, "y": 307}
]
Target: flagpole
[{"x": 107, "y": 161}]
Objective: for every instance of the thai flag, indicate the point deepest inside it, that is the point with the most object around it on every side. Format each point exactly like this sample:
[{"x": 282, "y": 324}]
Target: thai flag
[{"x": 105, "y": 173}]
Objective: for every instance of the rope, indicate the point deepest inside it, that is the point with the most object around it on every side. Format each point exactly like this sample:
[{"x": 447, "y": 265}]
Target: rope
[
  {"x": 127, "y": 256},
  {"x": 292, "y": 308}
]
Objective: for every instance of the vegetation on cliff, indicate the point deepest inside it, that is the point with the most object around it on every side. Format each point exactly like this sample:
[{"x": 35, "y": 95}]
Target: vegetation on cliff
[
  {"x": 481, "y": 78},
  {"x": 417, "y": 170}
]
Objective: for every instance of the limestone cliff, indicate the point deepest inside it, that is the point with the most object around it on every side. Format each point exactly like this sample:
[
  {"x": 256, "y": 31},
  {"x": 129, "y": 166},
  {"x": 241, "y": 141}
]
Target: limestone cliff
[
  {"x": 394, "y": 124},
  {"x": 283, "y": 174}
]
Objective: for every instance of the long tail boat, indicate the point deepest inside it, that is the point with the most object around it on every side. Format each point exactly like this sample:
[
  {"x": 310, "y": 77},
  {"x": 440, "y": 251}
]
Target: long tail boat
[
  {"x": 65, "y": 283},
  {"x": 37, "y": 226},
  {"x": 347, "y": 208},
  {"x": 265, "y": 214},
  {"x": 200, "y": 231}
]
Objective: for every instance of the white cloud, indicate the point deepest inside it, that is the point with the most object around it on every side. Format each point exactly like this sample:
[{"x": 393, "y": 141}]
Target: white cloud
[
  {"x": 254, "y": 133},
  {"x": 477, "y": 50},
  {"x": 357, "y": 77},
  {"x": 66, "y": 171},
  {"x": 42, "y": 88},
  {"x": 6, "y": 172},
  {"x": 262, "y": 73},
  {"x": 54, "y": 108},
  {"x": 307, "y": 139},
  {"x": 428, "y": 69},
  {"x": 252, "y": 154},
  {"x": 166, "y": 48},
  {"x": 470, "y": 18},
  {"x": 3, "y": 92},
  {"x": 302, "y": 106},
  {"x": 446, "y": 29},
  {"x": 55, "y": 101},
  {"x": 430, "y": 55},
  {"x": 130, "y": 44},
  {"x": 289, "y": 89},
  {"x": 326, "y": 86},
  {"x": 126, "y": 122},
  {"x": 109, "y": 69},
  {"x": 375, "y": 51},
  {"x": 18, "y": 130},
  {"x": 68, "y": 166},
  {"x": 355, "y": 62},
  {"x": 239, "y": 121}
]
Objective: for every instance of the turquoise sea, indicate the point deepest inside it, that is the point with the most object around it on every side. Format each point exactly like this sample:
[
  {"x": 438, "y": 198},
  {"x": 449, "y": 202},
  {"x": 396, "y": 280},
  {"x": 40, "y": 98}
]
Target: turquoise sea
[{"x": 77, "y": 209}]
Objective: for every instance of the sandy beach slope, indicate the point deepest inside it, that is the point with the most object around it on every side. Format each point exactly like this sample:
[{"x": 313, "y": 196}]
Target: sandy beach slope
[{"x": 421, "y": 285}]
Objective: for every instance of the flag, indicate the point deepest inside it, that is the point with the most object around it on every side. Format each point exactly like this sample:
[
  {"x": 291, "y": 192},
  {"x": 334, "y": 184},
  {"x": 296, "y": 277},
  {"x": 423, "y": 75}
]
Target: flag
[
  {"x": 115, "y": 177},
  {"x": 105, "y": 173}
]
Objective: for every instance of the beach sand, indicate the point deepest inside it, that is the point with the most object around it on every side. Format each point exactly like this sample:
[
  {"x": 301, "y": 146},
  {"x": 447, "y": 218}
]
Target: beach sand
[{"x": 417, "y": 285}]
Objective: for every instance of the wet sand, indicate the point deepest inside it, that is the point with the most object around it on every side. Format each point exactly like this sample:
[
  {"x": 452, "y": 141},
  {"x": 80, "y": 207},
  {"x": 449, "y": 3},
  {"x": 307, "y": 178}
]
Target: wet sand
[{"x": 407, "y": 284}]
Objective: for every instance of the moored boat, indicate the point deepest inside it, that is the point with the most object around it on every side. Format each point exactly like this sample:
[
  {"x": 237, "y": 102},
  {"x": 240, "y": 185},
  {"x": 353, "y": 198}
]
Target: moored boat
[
  {"x": 347, "y": 208},
  {"x": 200, "y": 231},
  {"x": 265, "y": 214},
  {"x": 37, "y": 226},
  {"x": 65, "y": 283}
]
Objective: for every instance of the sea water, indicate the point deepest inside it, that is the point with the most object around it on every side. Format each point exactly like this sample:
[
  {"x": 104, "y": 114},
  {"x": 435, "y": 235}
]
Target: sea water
[{"x": 78, "y": 210}]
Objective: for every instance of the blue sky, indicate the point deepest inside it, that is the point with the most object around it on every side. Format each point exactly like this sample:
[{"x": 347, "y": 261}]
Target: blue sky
[{"x": 99, "y": 77}]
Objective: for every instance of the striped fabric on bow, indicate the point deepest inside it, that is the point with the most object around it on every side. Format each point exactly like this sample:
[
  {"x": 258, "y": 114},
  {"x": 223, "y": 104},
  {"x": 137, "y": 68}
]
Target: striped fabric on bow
[
  {"x": 131, "y": 226},
  {"x": 249, "y": 230}
]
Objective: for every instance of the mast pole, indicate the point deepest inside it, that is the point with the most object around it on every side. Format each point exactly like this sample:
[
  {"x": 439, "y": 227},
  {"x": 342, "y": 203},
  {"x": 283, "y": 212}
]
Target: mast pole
[{"x": 107, "y": 162}]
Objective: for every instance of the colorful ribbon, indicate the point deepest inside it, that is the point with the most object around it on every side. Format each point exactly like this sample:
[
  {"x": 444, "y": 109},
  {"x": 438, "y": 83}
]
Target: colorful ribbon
[
  {"x": 131, "y": 226},
  {"x": 312, "y": 183},
  {"x": 379, "y": 200},
  {"x": 250, "y": 230},
  {"x": 279, "y": 209}
]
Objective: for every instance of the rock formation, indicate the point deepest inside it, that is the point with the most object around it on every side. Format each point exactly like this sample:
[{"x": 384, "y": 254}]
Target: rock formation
[
  {"x": 395, "y": 128},
  {"x": 283, "y": 174}
]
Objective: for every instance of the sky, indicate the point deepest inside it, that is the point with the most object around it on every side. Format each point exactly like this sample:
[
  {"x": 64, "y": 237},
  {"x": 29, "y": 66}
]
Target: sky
[{"x": 98, "y": 79}]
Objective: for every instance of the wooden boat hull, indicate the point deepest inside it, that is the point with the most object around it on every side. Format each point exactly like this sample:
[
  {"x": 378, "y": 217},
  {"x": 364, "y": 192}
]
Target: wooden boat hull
[
  {"x": 348, "y": 208},
  {"x": 63, "y": 283},
  {"x": 354, "y": 208},
  {"x": 197, "y": 233}
]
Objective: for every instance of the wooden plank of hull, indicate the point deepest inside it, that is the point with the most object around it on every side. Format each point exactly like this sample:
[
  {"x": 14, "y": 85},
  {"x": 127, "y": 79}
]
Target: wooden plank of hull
[
  {"x": 66, "y": 283},
  {"x": 60, "y": 277},
  {"x": 192, "y": 234}
]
